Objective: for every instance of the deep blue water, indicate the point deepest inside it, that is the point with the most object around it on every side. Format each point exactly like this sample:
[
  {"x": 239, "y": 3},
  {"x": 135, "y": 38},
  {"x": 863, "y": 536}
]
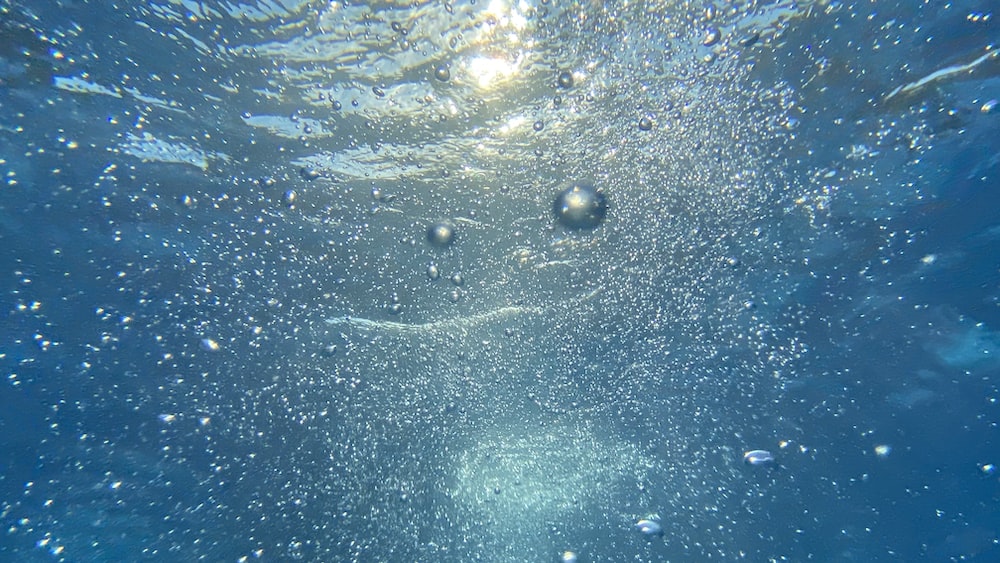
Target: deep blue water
[{"x": 227, "y": 336}]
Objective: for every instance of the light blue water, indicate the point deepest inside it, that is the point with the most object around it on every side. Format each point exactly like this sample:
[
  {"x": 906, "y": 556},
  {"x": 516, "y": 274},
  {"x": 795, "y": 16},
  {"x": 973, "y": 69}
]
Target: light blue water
[{"x": 228, "y": 338}]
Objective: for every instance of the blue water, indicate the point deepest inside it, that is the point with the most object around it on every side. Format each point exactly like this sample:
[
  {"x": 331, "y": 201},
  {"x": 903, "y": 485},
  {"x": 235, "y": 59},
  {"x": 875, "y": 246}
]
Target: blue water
[{"x": 227, "y": 337}]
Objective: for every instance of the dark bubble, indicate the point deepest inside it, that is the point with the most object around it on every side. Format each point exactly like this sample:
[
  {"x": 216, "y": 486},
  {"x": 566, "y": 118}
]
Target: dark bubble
[
  {"x": 749, "y": 40},
  {"x": 337, "y": 105},
  {"x": 441, "y": 234},
  {"x": 565, "y": 79},
  {"x": 309, "y": 173},
  {"x": 442, "y": 73},
  {"x": 379, "y": 92},
  {"x": 538, "y": 125},
  {"x": 580, "y": 206},
  {"x": 645, "y": 123}
]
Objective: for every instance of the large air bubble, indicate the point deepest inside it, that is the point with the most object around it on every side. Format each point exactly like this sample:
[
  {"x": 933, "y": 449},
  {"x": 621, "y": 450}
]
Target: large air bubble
[{"x": 580, "y": 206}]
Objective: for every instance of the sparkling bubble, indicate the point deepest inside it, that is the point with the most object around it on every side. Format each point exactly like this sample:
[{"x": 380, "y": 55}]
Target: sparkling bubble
[
  {"x": 433, "y": 272},
  {"x": 457, "y": 279},
  {"x": 442, "y": 73},
  {"x": 580, "y": 206},
  {"x": 441, "y": 234},
  {"x": 309, "y": 173},
  {"x": 712, "y": 36},
  {"x": 649, "y": 527},
  {"x": 758, "y": 457},
  {"x": 565, "y": 79},
  {"x": 645, "y": 123}
]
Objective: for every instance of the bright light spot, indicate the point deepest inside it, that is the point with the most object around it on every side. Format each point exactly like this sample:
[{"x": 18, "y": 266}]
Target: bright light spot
[
  {"x": 507, "y": 15},
  {"x": 929, "y": 259},
  {"x": 883, "y": 450},
  {"x": 488, "y": 72},
  {"x": 513, "y": 124}
]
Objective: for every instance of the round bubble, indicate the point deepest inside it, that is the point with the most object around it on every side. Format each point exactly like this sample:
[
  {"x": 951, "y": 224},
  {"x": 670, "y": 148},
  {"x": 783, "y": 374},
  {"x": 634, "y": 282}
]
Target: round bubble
[
  {"x": 565, "y": 79},
  {"x": 441, "y": 234},
  {"x": 580, "y": 206},
  {"x": 433, "y": 272}
]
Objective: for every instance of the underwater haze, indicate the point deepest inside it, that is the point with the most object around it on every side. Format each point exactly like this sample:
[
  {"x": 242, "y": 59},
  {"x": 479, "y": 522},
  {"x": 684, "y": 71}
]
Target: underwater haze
[{"x": 499, "y": 280}]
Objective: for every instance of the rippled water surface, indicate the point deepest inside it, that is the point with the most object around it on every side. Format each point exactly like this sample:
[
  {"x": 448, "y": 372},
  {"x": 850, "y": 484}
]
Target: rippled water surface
[{"x": 229, "y": 336}]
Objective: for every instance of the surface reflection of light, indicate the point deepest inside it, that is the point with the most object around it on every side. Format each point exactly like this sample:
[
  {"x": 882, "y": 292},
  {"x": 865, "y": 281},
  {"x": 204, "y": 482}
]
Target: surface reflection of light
[
  {"x": 513, "y": 124},
  {"x": 501, "y": 21},
  {"x": 508, "y": 15},
  {"x": 488, "y": 71}
]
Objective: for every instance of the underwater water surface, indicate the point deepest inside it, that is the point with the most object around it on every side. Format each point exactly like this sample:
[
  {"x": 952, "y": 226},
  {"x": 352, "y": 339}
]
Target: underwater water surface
[{"x": 499, "y": 281}]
